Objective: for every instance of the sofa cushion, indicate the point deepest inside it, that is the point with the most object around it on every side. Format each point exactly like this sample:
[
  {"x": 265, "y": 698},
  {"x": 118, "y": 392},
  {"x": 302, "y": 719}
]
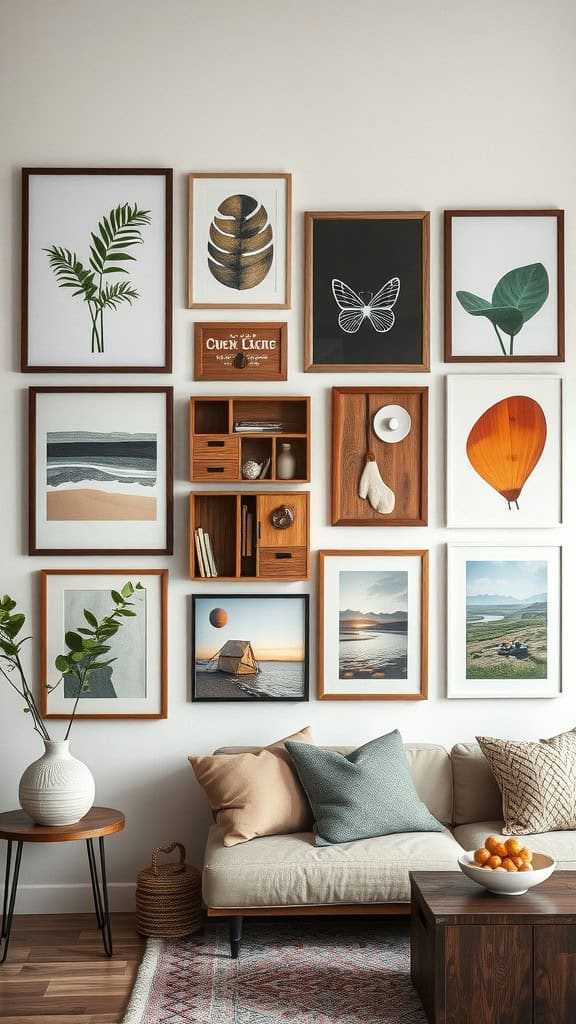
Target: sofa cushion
[
  {"x": 291, "y": 871},
  {"x": 255, "y": 794},
  {"x": 430, "y": 768},
  {"x": 538, "y": 782},
  {"x": 476, "y": 793},
  {"x": 560, "y": 845},
  {"x": 361, "y": 795}
]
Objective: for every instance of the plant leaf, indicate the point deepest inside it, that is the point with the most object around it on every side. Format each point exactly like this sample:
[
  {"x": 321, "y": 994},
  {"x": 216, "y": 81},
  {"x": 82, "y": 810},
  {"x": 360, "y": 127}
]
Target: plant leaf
[
  {"x": 508, "y": 318},
  {"x": 240, "y": 250},
  {"x": 74, "y": 642},
  {"x": 90, "y": 618},
  {"x": 526, "y": 288},
  {"x": 127, "y": 589},
  {"x": 70, "y": 273}
]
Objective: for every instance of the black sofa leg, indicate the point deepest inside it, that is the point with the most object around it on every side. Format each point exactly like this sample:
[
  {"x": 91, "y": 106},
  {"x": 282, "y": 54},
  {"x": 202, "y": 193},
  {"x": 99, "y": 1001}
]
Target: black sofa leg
[{"x": 235, "y": 936}]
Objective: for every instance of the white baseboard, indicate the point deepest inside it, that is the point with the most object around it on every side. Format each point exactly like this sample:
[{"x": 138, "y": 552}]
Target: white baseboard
[{"x": 71, "y": 899}]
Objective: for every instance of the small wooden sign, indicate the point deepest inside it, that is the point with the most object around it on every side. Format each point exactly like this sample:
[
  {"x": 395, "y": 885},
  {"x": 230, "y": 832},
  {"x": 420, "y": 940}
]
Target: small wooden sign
[{"x": 236, "y": 352}]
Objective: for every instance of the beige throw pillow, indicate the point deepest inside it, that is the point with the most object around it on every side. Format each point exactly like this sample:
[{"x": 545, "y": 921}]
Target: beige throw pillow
[
  {"x": 255, "y": 794},
  {"x": 538, "y": 782}
]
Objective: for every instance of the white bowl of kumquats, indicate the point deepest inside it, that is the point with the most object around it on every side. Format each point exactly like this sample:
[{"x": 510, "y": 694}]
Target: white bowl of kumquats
[{"x": 506, "y": 866}]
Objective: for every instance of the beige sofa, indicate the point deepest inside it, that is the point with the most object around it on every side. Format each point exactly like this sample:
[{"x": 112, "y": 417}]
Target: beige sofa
[{"x": 289, "y": 874}]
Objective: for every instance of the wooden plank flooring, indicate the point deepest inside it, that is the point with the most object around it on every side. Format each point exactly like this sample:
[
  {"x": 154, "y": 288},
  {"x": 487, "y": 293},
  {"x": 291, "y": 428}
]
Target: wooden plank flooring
[{"x": 56, "y": 972}]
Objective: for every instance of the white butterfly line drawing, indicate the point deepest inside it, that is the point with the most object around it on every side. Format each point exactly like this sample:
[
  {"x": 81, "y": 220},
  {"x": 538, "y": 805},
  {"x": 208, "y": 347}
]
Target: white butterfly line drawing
[{"x": 354, "y": 310}]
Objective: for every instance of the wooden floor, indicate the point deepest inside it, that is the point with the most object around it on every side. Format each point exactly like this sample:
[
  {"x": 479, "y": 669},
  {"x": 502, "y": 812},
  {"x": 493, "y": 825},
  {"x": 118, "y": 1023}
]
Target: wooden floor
[{"x": 56, "y": 971}]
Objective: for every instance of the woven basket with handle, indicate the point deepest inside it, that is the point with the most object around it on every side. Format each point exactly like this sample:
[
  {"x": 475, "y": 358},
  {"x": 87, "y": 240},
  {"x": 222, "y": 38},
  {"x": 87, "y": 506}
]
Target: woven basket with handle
[{"x": 168, "y": 896}]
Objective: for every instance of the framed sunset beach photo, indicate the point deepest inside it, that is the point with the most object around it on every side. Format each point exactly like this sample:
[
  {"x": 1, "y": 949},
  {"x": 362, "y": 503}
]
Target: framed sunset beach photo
[
  {"x": 250, "y": 647},
  {"x": 373, "y": 625}
]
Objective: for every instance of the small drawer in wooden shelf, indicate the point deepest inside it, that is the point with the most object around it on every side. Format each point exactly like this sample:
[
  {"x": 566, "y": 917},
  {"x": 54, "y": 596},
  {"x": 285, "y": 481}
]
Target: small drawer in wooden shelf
[
  {"x": 250, "y": 431},
  {"x": 250, "y": 536}
]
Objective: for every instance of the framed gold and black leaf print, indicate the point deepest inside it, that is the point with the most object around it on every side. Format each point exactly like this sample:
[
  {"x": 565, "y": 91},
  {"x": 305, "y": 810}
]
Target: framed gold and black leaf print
[{"x": 239, "y": 241}]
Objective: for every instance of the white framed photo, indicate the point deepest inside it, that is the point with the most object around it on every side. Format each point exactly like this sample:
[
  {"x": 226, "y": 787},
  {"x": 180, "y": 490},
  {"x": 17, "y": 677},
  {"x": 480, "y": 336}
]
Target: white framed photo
[
  {"x": 100, "y": 471},
  {"x": 504, "y": 621},
  {"x": 373, "y": 625},
  {"x": 96, "y": 270},
  {"x": 129, "y": 607},
  {"x": 504, "y": 451},
  {"x": 239, "y": 241}
]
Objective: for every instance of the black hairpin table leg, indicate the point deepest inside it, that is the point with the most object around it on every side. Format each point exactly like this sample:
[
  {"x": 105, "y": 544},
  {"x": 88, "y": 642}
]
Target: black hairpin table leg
[
  {"x": 101, "y": 905},
  {"x": 10, "y": 896}
]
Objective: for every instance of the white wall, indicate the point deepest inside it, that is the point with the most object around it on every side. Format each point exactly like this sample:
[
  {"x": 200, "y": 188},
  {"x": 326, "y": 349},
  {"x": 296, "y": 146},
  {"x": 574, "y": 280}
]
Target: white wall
[{"x": 372, "y": 105}]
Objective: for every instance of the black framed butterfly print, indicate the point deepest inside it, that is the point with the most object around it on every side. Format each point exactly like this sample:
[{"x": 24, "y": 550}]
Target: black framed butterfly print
[{"x": 367, "y": 292}]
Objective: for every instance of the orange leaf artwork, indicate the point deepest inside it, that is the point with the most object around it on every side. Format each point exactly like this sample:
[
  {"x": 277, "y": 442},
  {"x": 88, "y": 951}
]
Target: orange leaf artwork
[{"x": 505, "y": 444}]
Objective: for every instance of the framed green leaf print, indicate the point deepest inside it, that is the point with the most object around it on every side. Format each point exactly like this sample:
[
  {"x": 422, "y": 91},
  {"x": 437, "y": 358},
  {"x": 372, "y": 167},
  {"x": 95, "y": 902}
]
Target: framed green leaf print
[
  {"x": 96, "y": 270},
  {"x": 504, "y": 286}
]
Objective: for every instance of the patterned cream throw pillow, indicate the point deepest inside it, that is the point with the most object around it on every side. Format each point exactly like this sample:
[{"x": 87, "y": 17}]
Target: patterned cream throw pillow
[{"x": 537, "y": 780}]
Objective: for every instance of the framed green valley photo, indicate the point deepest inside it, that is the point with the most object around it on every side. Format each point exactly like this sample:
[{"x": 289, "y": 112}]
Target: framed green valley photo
[
  {"x": 239, "y": 241},
  {"x": 504, "y": 621},
  {"x": 119, "y": 617},
  {"x": 373, "y": 625},
  {"x": 96, "y": 270},
  {"x": 100, "y": 471},
  {"x": 503, "y": 286}
]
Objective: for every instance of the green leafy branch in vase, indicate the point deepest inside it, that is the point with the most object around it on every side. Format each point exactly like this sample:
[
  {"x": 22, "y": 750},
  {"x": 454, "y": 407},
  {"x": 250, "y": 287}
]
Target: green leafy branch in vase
[
  {"x": 85, "y": 654},
  {"x": 117, "y": 233},
  {"x": 516, "y": 298}
]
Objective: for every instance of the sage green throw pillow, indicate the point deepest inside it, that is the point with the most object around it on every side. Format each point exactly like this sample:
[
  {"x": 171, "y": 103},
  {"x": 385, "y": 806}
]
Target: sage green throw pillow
[{"x": 363, "y": 794}]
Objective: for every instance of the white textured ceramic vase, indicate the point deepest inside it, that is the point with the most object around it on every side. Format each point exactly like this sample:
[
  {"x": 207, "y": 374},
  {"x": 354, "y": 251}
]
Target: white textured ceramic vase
[{"x": 57, "y": 789}]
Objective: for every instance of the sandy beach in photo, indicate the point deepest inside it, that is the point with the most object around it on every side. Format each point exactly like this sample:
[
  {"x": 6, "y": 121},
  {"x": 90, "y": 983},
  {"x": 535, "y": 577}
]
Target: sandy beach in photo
[{"x": 88, "y": 504}]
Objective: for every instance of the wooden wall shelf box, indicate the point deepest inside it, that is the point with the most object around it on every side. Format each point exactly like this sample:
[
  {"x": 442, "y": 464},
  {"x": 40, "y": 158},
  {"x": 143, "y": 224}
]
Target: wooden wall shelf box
[
  {"x": 245, "y": 543},
  {"x": 218, "y": 451}
]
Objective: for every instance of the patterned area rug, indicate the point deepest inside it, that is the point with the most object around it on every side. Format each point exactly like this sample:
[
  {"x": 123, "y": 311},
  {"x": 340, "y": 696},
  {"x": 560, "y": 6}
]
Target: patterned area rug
[{"x": 291, "y": 971}]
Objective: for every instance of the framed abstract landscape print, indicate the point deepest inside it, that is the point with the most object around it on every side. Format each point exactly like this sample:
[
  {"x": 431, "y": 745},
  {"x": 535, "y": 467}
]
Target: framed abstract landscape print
[
  {"x": 373, "y": 625},
  {"x": 100, "y": 471},
  {"x": 123, "y": 613},
  {"x": 504, "y": 621},
  {"x": 367, "y": 292},
  {"x": 504, "y": 464},
  {"x": 239, "y": 241},
  {"x": 504, "y": 286},
  {"x": 96, "y": 270}
]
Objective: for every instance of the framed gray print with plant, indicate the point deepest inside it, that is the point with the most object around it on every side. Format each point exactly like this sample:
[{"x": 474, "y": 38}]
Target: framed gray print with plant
[
  {"x": 96, "y": 270},
  {"x": 504, "y": 286}
]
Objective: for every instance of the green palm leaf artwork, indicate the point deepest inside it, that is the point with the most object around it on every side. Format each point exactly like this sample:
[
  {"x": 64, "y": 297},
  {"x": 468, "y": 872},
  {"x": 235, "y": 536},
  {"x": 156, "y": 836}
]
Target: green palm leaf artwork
[
  {"x": 109, "y": 245},
  {"x": 517, "y": 297}
]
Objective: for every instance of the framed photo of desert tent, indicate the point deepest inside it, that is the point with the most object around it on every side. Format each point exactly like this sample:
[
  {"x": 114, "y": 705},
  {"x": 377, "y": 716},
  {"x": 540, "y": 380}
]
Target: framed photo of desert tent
[
  {"x": 373, "y": 625},
  {"x": 100, "y": 471},
  {"x": 239, "y": 241},
  {"x": 503, "y": 286},
  {"x": 504, "y": 450},
  {"x": 96, "y": 270},
  {"x": 250, "y": 647},
  {"x": 124, "y": 613},
  {"x": 504, "y": 621},
  {"x": 367, "y": 291}
]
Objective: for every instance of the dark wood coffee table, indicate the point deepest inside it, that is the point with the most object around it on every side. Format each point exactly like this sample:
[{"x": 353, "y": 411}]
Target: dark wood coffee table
[{"x": 494, "y": 959}]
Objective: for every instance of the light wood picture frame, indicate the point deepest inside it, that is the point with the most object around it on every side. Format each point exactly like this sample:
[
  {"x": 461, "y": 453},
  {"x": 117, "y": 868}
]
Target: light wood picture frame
[
  {"x": 135, "y": 686},
  {"x": 373, "y": 625},
  {"x": 239, "y": 240},
  {"x": 367, "y": 292},
  {"x": 388, "y": 428},
  {"x": 238, "y": 352},
  {"x": 504, "y": 286}
]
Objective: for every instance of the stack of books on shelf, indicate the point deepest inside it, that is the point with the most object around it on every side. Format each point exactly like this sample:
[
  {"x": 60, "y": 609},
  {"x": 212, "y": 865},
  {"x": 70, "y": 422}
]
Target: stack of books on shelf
[
  {"x": 204, "y": 553},
  {"x": 258, "y": 427},
  {"x": 247, "y": 533}
]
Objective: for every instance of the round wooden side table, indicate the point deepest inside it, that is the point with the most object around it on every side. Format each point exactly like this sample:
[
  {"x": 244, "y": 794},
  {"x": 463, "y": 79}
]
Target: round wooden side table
[{"x": 17, "y": 827}]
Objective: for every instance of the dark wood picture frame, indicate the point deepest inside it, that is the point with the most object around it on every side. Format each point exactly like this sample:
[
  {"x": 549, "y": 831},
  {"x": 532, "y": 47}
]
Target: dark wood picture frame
[
  {"x": 33, "y": 394},
  {"x": 125, "y": 573},
  {"x": 192, "y": 303},
  {"x": 232, "y": 362},
  {"x": 449, "y": 357},
  {"x": 422, "y": 364},
  {"x": 260, "y": 697},
  {"x": 26, "y": 366},
  {"x": 424, "y": 602},
  {"x": 403, "y": 465}
]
